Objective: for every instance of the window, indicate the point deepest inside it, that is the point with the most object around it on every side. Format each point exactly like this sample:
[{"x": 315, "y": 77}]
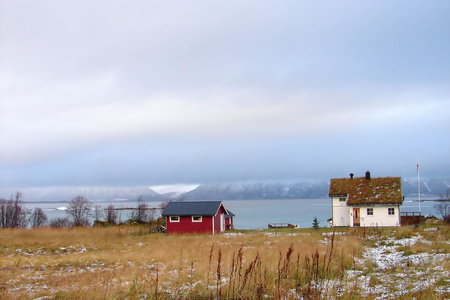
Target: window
[
  {"x": 196, "y": 218},
  {"x": 370, "y": 211},
  {"x": 391, "y": 211},
  {"x": 174, "y": 219},
  {"x": 342, "y": 199}
]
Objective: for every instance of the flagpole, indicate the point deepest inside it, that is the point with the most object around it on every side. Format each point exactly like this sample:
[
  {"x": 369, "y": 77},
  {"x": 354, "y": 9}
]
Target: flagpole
[{"x": 418, "y": 179}]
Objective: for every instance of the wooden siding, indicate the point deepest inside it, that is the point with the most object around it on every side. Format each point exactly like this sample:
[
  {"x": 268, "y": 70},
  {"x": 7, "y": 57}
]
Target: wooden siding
[{"x": 186, "y": 226}]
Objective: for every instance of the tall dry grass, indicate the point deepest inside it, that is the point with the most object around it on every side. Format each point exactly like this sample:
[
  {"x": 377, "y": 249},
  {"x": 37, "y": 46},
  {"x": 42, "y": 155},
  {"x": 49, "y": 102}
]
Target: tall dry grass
[{"x": 127, "y": 262}]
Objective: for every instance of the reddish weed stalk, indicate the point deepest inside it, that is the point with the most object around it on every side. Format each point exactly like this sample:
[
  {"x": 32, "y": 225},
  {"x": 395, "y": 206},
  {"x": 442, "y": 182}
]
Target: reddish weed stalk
[
  {"x": 209, "y": 263},
  {"x": 219, "y": 277}
]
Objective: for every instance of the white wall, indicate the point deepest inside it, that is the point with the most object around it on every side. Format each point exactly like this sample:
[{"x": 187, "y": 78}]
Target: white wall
[
  {"x": 343, "y": 215},
  {"x": 341, "y": 212},
  {"x": 380, "y": 216}
]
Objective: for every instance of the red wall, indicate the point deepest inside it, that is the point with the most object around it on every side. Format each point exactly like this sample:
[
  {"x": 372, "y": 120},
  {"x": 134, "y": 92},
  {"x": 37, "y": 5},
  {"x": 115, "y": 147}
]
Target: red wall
[
  {"x": 186, "y": 226},
  {"x": 229, "y": 223},
  {"x": 217, "y": 220}
]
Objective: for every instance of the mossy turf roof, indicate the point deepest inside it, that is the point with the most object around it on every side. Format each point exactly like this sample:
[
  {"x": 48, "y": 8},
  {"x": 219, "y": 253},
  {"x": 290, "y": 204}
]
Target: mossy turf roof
[{"x": 381, "y": 190}]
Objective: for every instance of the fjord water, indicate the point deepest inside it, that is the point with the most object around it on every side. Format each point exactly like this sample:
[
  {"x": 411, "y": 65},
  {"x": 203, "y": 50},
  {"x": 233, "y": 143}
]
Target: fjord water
[
  {"x": 253, "y": 214},
  {"x": 256, "y": 214}
]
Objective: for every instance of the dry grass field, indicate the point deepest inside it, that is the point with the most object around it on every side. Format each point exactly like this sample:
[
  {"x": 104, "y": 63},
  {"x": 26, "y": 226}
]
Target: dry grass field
[{"x": 130, "y": 263}]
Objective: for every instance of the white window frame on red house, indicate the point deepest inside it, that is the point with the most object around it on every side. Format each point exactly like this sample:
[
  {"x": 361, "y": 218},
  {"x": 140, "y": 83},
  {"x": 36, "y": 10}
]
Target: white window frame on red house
[
  {"x": 197, "y": 219},
  {"x": 174, "y": 219}
]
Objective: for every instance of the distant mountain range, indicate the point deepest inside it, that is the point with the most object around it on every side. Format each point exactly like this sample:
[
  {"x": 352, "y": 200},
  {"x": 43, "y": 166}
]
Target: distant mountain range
[
  {"x": 428, "y": 187},
  {"x": 95, "y": 194},
  {"x": 431, "y": 187},
  {"x": 242, "y": 191},
  {"x": 229, "y": 191}
]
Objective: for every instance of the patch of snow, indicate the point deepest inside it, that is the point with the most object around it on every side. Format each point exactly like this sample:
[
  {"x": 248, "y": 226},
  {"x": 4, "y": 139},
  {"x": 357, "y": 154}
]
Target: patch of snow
[
  {"x": 430, "y": 229},
  {"x": 334, "y": 233},
  {"x": 232, "y": 234}
]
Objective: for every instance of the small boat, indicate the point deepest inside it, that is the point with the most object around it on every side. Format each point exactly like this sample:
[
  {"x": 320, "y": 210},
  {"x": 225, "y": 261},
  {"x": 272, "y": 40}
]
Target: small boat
[{"x": 61, "y": 208}]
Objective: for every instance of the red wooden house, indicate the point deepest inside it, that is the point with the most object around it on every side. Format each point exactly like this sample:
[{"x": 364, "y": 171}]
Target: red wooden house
[
  {"x": 194, "y": 217},
  {"x": 229, "y": 221}
]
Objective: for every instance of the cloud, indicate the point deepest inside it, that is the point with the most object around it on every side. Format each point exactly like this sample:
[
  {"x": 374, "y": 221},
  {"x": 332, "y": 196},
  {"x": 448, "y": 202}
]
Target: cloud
[
  {"x": 108, "y": 92},
  {"x": 51, "y": 130}
]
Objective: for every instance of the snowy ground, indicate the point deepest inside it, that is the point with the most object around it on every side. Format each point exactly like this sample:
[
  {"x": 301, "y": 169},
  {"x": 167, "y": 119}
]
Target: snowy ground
[
  {"x": 388, "y": 268},
  {"x": 396, "y": 272}
]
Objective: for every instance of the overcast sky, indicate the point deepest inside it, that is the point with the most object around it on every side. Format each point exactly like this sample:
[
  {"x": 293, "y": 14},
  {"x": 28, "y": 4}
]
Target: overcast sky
[{"x": 121, "y": 93}]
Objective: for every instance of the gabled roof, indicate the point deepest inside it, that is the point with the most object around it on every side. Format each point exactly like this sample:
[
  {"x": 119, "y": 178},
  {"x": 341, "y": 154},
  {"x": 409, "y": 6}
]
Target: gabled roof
[
  {"x": 229, "y": 214},
  {"x": 381, "y": 190},
  {"x": 193, "y": 208}
]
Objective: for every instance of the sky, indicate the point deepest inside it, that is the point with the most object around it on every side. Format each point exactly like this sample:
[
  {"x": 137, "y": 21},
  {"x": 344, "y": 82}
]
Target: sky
[{"x": 127, "y": 93}]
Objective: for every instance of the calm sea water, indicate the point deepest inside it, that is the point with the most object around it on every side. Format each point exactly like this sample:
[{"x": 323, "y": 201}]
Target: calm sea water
[{"x": 254, "y": 214}]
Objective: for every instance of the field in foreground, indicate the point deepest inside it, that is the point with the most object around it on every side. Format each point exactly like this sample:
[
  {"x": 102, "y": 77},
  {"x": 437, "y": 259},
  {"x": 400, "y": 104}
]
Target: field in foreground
[{"x": 129, "y": 263}]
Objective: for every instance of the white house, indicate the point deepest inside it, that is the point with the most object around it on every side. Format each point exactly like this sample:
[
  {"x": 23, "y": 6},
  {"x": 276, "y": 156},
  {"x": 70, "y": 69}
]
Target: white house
[{"x": 366, "y": 201}]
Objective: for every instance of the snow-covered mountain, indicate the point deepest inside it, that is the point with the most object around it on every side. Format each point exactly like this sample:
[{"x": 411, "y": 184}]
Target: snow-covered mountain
[
  {"x": 300, "y": 190},
  {"x": 95, "y": 194},
  {"x": 428, "y": 187},
  {"x": 228, "y": 191},
  {"x": 235, "y": 191}
]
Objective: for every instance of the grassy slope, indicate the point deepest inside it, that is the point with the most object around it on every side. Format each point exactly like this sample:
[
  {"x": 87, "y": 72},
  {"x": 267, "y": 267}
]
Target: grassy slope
[{"x": 127, "y": 262}]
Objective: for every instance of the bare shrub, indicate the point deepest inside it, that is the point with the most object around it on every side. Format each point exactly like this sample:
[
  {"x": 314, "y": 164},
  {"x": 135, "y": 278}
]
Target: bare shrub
[
  {"x": 80, "y": 211},
  {"x": 443, "y": 206},
  {"x": 60, "y": 223},
  {"x": 178, "y": 198},
  {"x": 112, "y": 216},
  {"x": 38, "y": 218},
  {"x": 163, "y": 204},
  {"x": 142, "y": 214},
  {"x": 12, "y": 213},
  {"x": 447, "y": 219}
]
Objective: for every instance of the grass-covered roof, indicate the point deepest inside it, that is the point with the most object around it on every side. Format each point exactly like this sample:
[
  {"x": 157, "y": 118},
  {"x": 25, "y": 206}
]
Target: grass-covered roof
[{"x": 381, "y": 190}]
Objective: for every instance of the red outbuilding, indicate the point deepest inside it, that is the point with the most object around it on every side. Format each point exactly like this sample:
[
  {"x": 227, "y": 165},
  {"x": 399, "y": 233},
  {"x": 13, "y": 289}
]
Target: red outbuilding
[{"x": 197, "y": 217}]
